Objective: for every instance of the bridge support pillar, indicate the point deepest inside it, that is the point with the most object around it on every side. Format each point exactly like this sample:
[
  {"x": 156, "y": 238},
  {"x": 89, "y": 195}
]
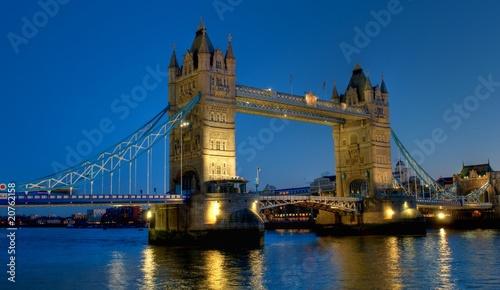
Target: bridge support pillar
[
  {"x": 218, "y": 219},
  {"x": 381, "y": 216}
]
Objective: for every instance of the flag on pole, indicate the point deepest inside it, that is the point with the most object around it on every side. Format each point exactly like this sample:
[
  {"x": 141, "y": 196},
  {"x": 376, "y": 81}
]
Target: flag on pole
[
  {"x": 290, "y": 78},
  {"x": 259, "y": 169}
]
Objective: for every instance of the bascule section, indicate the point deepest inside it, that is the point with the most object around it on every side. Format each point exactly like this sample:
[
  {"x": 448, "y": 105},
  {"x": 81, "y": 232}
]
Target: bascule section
[{"x": 362, "y": 147}]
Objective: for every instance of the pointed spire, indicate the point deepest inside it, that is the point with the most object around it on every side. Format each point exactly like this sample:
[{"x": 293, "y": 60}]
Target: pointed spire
[
  {"x": 368, "y": 83},
  {"x": 357, "y": 66},
  {"x": 383, "y": 88},
  {"x": 204, "y": 44},
  {"x": 201, "y": 26},
  {"x": 173, "y": 58},
  {"x": 335, "y": 93},
  {"x": 229, "y": 51}
]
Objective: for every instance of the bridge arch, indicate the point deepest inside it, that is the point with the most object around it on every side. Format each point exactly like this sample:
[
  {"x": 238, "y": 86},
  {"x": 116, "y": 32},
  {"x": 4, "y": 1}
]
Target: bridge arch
[
  {"x": 358, "y": 187},
  {"x": 190, "y": 180}
]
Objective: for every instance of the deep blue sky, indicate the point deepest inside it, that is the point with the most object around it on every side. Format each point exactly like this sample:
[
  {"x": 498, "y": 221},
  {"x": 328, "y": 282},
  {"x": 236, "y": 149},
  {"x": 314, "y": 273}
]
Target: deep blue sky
[{"x": 67, "y": 75}]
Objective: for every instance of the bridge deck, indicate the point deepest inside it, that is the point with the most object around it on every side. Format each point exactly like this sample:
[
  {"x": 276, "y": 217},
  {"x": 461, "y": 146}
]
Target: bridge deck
[
  {"x": 280, "y": 105},
  {"x": 85, "y": 199}
]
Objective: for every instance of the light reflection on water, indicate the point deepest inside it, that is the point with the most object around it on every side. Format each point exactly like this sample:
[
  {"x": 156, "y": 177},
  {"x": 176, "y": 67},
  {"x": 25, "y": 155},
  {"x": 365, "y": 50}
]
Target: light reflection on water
[{"x": 122, "y": 259}]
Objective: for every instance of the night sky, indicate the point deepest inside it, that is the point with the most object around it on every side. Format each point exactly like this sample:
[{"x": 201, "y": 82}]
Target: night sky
[{"x": 64, "y": 65}]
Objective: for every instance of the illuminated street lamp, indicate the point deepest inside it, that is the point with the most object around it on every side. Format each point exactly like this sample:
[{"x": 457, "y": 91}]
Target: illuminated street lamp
[{"x": 257, "y": 180}]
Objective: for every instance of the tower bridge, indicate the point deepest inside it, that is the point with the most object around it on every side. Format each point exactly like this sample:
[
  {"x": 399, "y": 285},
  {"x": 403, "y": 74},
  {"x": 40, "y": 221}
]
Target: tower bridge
[{"x": 200, "y": 125}]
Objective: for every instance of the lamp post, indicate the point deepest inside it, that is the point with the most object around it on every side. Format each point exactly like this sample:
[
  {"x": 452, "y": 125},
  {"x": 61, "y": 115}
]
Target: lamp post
[
  {"x": 257, "y": 180},
  {"x": 182, "y": 125}
]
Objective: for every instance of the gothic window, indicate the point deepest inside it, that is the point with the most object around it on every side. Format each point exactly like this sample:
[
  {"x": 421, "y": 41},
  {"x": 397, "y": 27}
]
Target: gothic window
[
  {"x": 211, "y": 116},
  {"x": 218, "y": 64},
  {"x": 211, "y": 145},
  {"x": 217, "y": 145},
  {"x": 193, "y": 85},
  {"x": 344, "y": 142},
  {"x": 380, "y": 112},
  {"x": 218, "y": 169},
  {"x": 224, "y": 147},
  {"x": 217, "y": 118},
  {"x": 223, "y": 118}
]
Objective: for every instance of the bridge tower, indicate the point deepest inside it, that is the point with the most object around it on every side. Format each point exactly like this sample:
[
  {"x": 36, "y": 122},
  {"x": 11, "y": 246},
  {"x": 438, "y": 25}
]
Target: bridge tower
[
  {"x": 362, "y": 147},
  {"x": 207, "y": 143}
]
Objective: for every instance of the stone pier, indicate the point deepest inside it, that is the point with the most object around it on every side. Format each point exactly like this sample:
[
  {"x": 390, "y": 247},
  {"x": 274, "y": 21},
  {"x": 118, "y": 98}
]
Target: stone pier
[
  {"x": 396, "y": 215},
  {"x": 216, "y": 219}
]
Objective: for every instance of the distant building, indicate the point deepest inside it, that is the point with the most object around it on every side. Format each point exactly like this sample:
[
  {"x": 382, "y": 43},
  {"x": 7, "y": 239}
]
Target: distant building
[
  {"x": 95, "y": 215},
  {"x": 292, "y": 190},
  {"x": 472, "y": 177},
  {"x": 401, "y": 172},
  {"x": 122, "y": 215},
  {"x": 325, "y": 185},
  {"x": 445, "y": 182}
]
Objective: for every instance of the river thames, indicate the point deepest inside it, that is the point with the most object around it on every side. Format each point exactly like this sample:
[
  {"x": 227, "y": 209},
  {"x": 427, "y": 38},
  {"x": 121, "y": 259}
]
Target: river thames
[{"x": 59, "y": 258}]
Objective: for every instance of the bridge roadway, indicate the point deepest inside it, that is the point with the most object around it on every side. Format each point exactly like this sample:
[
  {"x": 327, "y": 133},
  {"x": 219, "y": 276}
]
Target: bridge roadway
[
  {"x": 22, "y": 200},
  {"x": 328, "y": 203},
  {"x": 345, "y": 204},
  {"x": 450, "y": 204}
]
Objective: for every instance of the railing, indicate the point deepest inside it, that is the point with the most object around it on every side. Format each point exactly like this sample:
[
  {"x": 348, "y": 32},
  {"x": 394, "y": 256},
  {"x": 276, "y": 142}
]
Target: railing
[
  {"x": 308, "y": 197},
  {"x": 57, "y": 199}
]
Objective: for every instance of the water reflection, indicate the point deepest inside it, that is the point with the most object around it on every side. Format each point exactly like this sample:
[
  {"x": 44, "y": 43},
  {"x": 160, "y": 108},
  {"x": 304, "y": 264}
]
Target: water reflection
[
  {"x": 295, "y": 260},
  {"x": 215, "y": 272},
  {"x": 444, "y": 261},
  {"x": 188, "y": 267},
  {"x": 148, "y": 268},
  {"x": 116, "y": 271}
]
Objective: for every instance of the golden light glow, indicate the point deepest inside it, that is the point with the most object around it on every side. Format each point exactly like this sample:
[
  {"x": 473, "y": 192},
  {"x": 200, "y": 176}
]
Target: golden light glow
[
  {"x": 212, "y": 212},
  {"x": 149, "y": 215},
  {"x": 440, "y": 215},
  {"x": 389, "y": 213}
]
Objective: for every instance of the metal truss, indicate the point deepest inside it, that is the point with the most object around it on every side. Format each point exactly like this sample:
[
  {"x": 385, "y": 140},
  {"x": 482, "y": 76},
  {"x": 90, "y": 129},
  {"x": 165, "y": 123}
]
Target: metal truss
[
  {"x": 439, "y": 191},
  {"x": 268, "y": 102},
  {"x": 116, "y": 156},
  {"x": 446, "y": 196},
  {"x": 473, "y": 196},
  {"x": 350, "y": 205}
]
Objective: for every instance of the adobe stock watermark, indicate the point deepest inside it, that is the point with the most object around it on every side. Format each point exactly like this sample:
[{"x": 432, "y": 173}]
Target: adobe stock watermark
[
  {"x": 121, "y": 107},
  {"x": 255, "y": 143},
  {"x": 372, "y": 29},
  {"x": 31, "y": 26},
  {"x": 223, "y": 6},
  {"x": 454, "y": 117}
]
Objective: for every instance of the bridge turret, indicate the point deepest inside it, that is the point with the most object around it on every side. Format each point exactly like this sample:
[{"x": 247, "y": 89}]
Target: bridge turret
[
  {"x": 204, "y": 53},
  {"x": 230, "y": 60},
  {"x": 335, "y": 94},
  {"x": 173, "y": 67}
]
